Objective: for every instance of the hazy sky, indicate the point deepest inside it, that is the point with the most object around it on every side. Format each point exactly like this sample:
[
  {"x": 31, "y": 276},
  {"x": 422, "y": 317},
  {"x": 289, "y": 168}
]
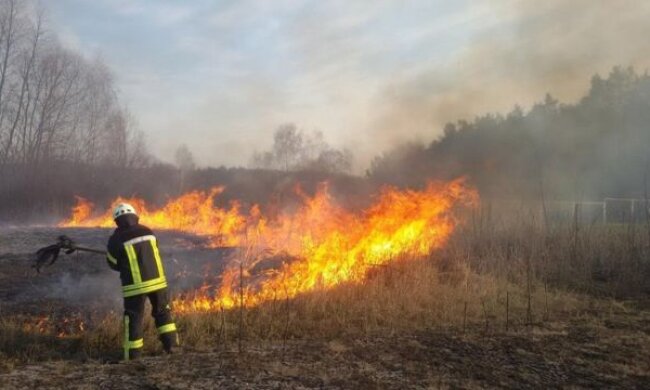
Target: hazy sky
[{"x": 220, "y": 76}]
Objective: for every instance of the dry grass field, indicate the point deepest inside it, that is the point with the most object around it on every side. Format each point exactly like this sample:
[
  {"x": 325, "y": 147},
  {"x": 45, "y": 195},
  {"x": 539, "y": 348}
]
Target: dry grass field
[{"x": 501, "y": 305}]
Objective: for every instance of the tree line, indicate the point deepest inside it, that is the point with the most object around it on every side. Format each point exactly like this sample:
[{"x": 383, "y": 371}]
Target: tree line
[
  {"x": 61, "y": 120},
  {"x": 297, "y": 150},
  {"x": 56, "y": 105},
  {"x": 597, "y": 147}
]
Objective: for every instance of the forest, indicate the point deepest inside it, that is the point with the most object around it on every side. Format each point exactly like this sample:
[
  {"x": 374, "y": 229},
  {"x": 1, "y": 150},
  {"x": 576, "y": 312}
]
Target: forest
[{"x": 594, "y": 148}]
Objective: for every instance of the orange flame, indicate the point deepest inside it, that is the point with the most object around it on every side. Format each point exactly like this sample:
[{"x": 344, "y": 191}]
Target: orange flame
[
  {"x": 321, "y": 244},
  {"x": 60, "y": 327},
  {"x": 193, "y": 212}
]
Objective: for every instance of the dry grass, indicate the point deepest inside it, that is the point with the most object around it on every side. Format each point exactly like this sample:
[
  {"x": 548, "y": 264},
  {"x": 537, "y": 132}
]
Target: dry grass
[
  {"x": 509, "y": 277},
  {"x": 412, "y": 295},
  {"x": 505, "y": 278},
  {"x": 407, "y": 296}
]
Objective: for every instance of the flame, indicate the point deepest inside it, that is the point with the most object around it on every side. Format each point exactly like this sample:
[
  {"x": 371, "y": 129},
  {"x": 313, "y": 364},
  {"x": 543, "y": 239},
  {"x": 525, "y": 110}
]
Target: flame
[
  {"x": 193, "y": 212},
  {"x": 59, "y": 326},
  {"x": 320, "y": 245}
]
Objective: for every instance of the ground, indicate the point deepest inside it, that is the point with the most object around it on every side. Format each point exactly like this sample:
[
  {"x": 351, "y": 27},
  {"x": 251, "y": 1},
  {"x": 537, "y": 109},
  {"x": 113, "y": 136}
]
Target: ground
[
  {"x": 585, "y": 352},
  {"x": 604, "y": 347}
]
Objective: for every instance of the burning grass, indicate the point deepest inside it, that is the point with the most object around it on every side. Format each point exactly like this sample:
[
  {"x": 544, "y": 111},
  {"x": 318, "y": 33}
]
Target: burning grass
[
  {"x": 406, "y": 296},
  {"x": 494, "y": 307},
  {"x": 492, "y": 279},
  {"x": 327, "y": 244},
  {"x": 403, "y": 297}
]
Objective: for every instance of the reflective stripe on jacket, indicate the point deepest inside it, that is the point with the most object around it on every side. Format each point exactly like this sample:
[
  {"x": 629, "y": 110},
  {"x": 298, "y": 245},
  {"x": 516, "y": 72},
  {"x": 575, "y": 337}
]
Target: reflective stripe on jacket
[{"x": 133, "y": 251}]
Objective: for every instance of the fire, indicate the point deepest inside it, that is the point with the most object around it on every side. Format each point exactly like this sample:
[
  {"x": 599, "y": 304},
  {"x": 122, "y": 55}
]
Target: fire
[
  {"x": 193, "y": 212},
  {"x": 58, "y": 326},
  {"x": 321, "y": 243}
]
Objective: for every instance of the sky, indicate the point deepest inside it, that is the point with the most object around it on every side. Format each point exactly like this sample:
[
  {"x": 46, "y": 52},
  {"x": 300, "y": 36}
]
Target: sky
[{"x": 221, "y": 76}]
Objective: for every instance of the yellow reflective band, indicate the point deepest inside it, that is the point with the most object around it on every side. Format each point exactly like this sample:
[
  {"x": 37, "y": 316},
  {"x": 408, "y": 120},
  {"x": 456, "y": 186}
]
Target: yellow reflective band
[
  {"x": 156, "y": 254},
  {"x": 167, "y": 328},
  {"x": 110, "y": 258},
  {"x": 140, "y": 285},
  {"x": 135, "y": 344},
  {"x": 144, "y": 288},
  {"x": 140, "y": 239},
  {"x": 125, "y": 343},
  {"x": 133, "y": 264}
]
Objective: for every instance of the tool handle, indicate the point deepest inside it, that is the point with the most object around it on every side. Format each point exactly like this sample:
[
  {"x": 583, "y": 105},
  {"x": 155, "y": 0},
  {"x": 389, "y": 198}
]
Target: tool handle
[{"x": 91, "y": 250}]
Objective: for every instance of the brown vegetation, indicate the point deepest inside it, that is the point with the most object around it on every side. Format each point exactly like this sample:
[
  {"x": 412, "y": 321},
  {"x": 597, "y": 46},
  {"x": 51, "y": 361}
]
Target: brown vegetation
[{"x": 535, "y": 290}]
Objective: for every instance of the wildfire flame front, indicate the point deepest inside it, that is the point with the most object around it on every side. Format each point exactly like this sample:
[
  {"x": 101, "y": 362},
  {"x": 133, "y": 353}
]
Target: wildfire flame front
[{"x": 324, "y": 244}]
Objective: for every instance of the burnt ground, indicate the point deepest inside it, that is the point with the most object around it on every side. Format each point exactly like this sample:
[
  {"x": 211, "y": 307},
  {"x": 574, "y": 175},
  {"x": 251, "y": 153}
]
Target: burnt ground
[
  {"x": 83, "y": 281},
  {"x": 600, "y": 348}
]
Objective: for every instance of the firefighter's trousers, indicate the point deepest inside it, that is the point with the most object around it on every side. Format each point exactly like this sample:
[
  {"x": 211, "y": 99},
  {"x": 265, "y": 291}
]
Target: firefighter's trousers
[{"x": 133, "y": 316}]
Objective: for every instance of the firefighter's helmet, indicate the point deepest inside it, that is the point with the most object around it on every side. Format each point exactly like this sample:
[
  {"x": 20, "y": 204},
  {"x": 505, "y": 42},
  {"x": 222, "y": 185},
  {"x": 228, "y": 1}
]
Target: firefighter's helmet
[{"x": 123, "y": 208}]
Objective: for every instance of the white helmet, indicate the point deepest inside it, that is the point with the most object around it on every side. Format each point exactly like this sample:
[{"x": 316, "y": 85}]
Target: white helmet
[{"x": 123, "y": 208}]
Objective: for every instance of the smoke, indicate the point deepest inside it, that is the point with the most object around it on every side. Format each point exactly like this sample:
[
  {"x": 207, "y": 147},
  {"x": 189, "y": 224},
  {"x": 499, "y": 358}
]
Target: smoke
[
  {"x": 96, "y": 290},
  {"x": 85, "y": 280},
  {"x": 367, "y": 74},
  {"x": 522, "y": 50}
]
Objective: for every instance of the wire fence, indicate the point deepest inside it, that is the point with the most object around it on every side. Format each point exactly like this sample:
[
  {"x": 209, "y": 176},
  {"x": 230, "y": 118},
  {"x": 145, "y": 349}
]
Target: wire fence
[{"x": 607, "y": 211}]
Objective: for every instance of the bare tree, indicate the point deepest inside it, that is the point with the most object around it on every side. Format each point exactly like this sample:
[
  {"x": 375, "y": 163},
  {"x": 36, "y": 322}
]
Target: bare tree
[
  {"x": 294, "y": 149},
  {"x": 25, "y": 68},
  {"x": 12, "y": 28},
  {"x": 287, "y": 145},
  {"x": 185, "y": 164},
  {"x": 184, "y": 158}
]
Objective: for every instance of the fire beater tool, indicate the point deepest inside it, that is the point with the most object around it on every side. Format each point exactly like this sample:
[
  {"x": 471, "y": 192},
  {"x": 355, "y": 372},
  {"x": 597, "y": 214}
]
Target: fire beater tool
[{"x": 48, "y": 255}]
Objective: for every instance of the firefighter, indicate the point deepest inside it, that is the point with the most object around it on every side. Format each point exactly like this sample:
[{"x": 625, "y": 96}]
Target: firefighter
[{"x": 133, "y": 251}]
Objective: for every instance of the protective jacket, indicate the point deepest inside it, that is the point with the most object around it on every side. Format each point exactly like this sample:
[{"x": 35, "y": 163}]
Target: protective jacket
[{"x": 133, "y": 251}]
